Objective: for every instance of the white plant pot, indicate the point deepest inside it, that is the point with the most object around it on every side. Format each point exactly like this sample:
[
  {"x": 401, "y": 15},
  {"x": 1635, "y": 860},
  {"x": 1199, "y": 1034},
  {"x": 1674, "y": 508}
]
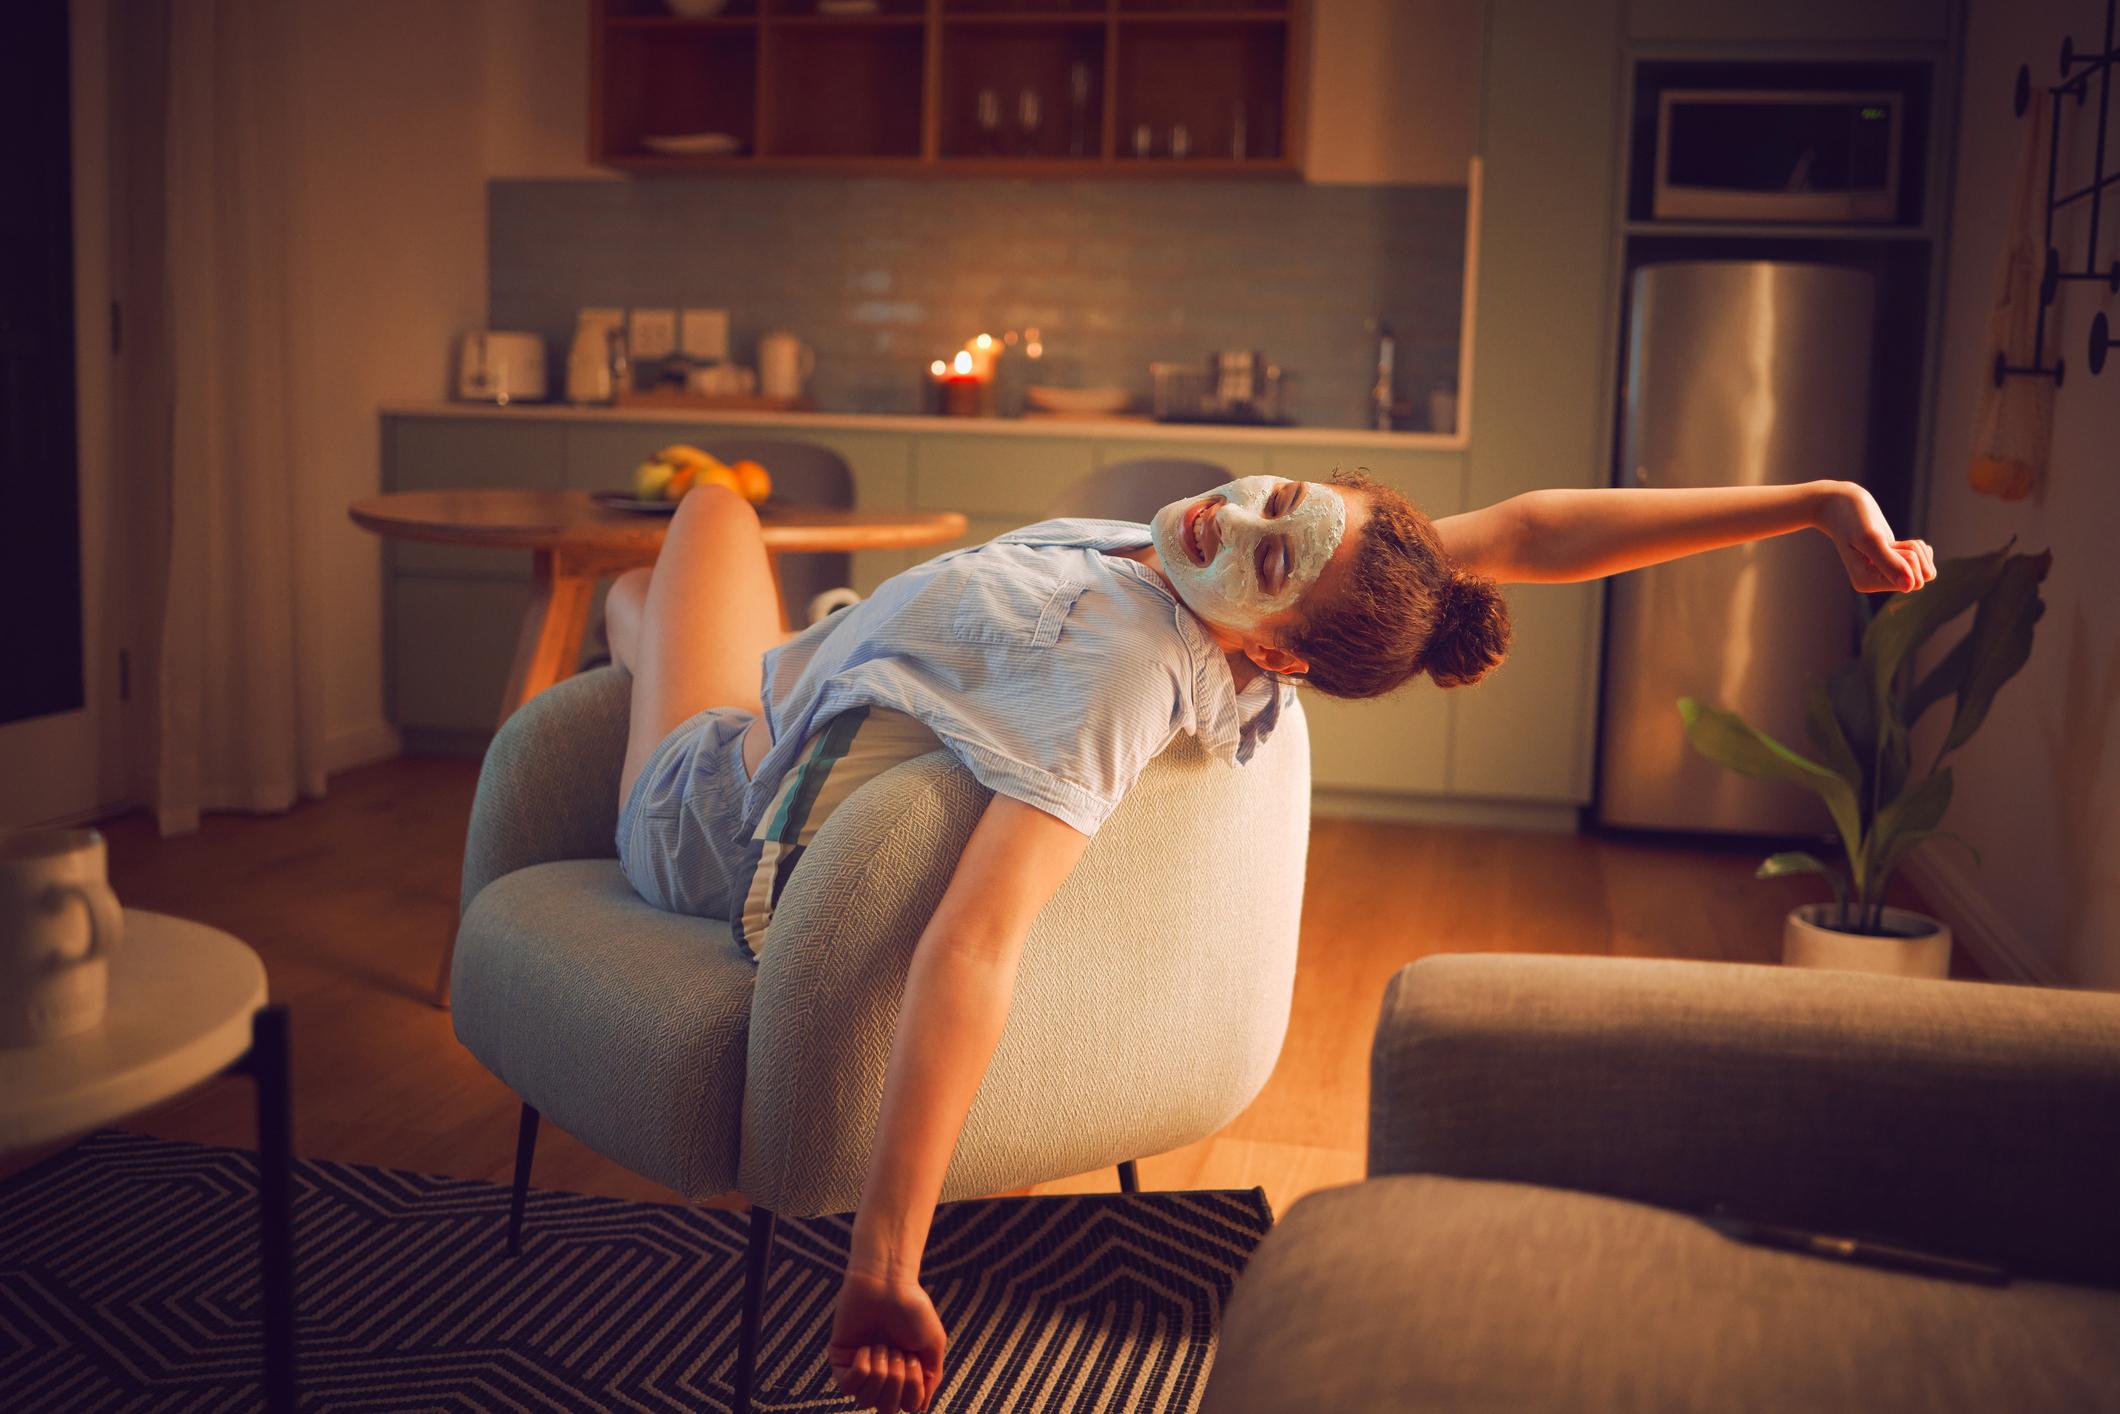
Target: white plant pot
[{"x": 1807, "y": 942}]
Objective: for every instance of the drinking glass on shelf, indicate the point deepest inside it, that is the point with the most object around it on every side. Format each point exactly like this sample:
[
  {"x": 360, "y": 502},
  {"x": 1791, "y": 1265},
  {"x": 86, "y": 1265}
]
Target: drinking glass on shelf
[
  {"x": 1180, "y": 141},
  {"x": 1144, "y": 140},
  {"x": 989, "y": 113},
  {"x": 1030, "y": 111},
  {"x": 1237, "y": 135}
]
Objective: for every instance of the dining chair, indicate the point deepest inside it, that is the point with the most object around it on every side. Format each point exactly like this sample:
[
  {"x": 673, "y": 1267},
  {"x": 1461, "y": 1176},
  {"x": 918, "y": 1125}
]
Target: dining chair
[
  {"x": 804, "y": 474},
  {"x": 1136, "y": 490}
]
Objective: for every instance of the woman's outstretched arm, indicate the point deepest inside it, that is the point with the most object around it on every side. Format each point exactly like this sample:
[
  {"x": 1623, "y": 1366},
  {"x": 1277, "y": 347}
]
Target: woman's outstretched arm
[
  {"x": 1560, "y": 536},
  {"x": 886, "y": 1345}
]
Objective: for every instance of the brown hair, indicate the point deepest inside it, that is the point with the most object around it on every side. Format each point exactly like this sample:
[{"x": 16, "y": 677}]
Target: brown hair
[{"x": 1403, "y": 606}]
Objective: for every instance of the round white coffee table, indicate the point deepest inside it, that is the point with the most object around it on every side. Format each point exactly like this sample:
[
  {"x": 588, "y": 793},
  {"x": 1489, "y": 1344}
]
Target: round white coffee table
[{"x": 187, "y": 1003}]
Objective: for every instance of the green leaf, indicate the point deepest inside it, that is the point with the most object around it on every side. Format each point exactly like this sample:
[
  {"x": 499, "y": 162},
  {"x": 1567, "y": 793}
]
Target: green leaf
[
  {"x": 1792, "y": 861},
  {"x": 1822, "y": 726},
  {"x": 1726, "y": 738},
  {"x": 1907, "y": 620},
  {"x": 1855, "y": 709},
  {"x": 2002, "y": 642},
  {"x": 1798, "y": 861},
  {"x": 1902, "y": 825},
  {"x": 1895, "y": 752},
  {"x": 1947, "y": 677}
]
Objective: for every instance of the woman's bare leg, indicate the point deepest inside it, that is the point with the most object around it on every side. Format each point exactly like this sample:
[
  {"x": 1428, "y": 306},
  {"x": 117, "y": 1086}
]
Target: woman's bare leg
[
  {"x": 623, "y": 608},
  {"x": 708, "y": 614}
]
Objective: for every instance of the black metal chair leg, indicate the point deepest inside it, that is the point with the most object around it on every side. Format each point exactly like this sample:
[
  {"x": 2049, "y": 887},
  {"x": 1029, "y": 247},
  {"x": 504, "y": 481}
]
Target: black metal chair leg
[
  {"x": 1129, "y": 1181},
  {"x": 269, "y": 1068},
  {"x": 757, "y": 1261},
  {"x": 525, "y": 1148}
]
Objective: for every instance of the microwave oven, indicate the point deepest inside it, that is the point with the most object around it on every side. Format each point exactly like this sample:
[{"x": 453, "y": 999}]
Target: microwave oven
[{"x": 1768, "y": 155}]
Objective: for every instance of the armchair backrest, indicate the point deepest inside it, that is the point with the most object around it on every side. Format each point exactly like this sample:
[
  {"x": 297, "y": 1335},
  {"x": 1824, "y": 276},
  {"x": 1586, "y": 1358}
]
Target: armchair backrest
[
  {"x": 1150, "y": 1002},
  {"x": 548, "y": 788}
]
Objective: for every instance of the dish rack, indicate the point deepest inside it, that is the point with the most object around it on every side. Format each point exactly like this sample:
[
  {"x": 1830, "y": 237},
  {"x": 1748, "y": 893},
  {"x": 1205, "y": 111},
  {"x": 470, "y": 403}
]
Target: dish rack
[{"x": 1226, "y": 389}]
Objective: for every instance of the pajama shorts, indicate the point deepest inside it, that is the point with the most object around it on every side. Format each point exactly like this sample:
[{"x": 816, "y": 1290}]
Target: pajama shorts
[{"x": 681, "y": 838}]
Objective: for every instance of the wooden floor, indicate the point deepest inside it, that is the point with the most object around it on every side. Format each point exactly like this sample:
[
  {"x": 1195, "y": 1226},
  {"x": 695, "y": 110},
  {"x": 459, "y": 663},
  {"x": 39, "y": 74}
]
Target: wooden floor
[{"x": 348, "y": 900}]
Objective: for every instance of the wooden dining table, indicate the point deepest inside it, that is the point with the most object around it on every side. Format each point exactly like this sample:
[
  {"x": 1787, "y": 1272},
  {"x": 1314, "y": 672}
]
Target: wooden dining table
[{"x": 575, "y": 541}]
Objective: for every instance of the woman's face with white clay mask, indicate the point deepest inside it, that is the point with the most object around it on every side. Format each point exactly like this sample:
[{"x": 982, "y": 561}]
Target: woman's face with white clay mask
[{"x": 1246, "y": 551}]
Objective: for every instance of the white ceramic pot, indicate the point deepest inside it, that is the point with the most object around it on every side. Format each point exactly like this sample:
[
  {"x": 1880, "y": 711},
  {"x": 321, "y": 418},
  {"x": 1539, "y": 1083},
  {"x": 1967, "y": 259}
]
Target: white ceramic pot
[{"x": 1925, "y": 951}]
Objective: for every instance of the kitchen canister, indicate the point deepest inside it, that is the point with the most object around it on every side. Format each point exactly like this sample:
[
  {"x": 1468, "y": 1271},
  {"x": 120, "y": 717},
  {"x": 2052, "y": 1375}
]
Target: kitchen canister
[{"x": 785, "y": 363}]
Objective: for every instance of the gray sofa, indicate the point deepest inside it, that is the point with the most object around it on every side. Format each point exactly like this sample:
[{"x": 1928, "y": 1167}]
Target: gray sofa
[{"x": 1544, "y": 1131}]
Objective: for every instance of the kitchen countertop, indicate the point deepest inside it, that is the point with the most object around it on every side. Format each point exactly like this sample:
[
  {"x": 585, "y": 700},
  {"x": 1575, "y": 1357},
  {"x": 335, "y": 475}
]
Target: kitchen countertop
[{"x": 1127, "y": 428}]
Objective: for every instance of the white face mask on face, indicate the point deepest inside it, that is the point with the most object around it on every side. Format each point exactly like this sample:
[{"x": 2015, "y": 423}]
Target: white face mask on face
[{"x": 1247, "y": 550}]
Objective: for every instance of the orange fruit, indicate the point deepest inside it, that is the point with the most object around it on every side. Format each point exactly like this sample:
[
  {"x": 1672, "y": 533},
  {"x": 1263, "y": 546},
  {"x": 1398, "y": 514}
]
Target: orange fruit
[
  {"x": 680, "y": 482},
  {"x": 756, "y": 483},
  {"x": 719, "y": 475}
]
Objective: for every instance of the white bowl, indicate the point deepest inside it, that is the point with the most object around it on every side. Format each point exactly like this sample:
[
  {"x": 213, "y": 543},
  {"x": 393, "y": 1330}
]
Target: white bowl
[
  {"x": 692, "y": 144},
  {"x": 1078, "y": 399}
]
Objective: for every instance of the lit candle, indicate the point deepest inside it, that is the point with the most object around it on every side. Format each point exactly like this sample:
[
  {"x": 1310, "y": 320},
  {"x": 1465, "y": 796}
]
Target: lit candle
[{"x": 963, "y": 393}]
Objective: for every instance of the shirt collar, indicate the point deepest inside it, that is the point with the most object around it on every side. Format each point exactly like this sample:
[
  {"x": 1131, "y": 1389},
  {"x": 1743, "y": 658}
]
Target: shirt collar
[{"x": 1230, "y": 724}]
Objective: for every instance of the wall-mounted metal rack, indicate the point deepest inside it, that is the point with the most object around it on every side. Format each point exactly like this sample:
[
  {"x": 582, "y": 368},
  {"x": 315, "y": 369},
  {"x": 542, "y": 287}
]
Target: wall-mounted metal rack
[{"x": 2076, "y": 73}]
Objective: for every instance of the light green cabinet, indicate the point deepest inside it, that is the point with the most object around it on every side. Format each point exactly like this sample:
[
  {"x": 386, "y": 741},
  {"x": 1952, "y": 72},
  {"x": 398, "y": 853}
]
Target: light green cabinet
[
  {"x": 451, "y": 642},
  {"x": 1551, "y": 128}
]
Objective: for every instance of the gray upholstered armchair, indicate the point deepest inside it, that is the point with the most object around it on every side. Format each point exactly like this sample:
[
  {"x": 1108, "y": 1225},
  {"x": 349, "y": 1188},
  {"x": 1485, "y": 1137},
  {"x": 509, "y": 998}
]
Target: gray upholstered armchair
[
  {"x": 1148, "y": 1011},
  {"x": 1545, "y": 1133}
]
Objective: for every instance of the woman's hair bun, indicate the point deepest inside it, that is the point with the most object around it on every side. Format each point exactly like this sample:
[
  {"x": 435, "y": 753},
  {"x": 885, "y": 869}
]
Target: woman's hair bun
[{"x": 1471, "y": 634}]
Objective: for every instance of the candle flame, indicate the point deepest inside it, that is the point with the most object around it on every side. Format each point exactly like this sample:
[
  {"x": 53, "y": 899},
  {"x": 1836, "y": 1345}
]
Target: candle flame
[
  {"x": 984, "y": 341},
  {"x": 963, "y": 362},
  {"x": 938, "y": 368}
]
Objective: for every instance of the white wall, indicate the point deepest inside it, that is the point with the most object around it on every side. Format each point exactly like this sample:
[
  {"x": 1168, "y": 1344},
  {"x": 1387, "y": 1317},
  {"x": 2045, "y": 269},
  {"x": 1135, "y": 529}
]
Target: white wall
[
  {"x": 390, "y": 265},
  {"x": 2038, "y": 791},
  {"x": 537, "y": 90},
  {"x": 1394, "y": 89}
]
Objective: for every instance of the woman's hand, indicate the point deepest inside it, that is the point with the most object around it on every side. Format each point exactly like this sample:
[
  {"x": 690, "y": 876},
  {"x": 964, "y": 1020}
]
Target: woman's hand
[
  {"x": 1876, "y": 562},
  {"x": 886, "y": 1345}
]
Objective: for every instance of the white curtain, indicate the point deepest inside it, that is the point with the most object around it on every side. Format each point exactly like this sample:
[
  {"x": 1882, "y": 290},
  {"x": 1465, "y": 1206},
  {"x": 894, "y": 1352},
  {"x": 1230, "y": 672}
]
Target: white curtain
[{"x": 239, "y": 681}]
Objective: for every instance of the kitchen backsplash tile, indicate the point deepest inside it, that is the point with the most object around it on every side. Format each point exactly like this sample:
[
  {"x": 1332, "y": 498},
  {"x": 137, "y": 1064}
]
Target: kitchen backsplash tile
[{"x": 882, "y": 275}]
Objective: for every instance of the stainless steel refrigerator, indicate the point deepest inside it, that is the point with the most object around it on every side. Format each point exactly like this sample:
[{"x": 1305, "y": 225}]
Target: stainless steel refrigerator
[{"x": 1738, "y": 373}]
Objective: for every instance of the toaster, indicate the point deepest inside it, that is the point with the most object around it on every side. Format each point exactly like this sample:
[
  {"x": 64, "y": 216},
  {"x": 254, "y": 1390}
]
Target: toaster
[{"x": 493, "y": 366}]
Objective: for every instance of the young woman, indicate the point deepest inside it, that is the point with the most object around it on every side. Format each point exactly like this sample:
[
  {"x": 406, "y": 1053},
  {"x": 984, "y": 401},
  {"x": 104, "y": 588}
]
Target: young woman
[{"x": 1056, "y": 662}]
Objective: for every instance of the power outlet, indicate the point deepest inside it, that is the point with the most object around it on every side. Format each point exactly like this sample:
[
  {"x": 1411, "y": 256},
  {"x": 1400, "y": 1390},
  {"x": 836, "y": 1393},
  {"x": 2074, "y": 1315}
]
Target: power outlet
[
  {"x": 706, "y": 334},
  {"x": 652, "y": 333}
]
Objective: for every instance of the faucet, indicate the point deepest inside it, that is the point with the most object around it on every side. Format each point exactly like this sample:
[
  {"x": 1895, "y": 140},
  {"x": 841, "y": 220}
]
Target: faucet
[{"x": 1380, "y": 398}]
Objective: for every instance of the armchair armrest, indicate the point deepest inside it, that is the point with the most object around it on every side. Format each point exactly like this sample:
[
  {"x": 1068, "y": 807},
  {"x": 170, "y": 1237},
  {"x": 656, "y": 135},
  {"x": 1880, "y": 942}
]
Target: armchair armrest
[
  {"x": 548, "y": 788},
  {"x": 1977, "y": 1119}
]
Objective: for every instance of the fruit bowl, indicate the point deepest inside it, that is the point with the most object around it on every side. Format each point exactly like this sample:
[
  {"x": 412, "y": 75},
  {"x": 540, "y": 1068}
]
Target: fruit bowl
[{"x": 626, "y": 501}]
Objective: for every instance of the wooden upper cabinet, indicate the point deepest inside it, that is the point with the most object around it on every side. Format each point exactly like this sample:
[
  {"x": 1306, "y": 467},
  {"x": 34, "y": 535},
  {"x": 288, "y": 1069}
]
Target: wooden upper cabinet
[{"x": 1009, "y": 87}]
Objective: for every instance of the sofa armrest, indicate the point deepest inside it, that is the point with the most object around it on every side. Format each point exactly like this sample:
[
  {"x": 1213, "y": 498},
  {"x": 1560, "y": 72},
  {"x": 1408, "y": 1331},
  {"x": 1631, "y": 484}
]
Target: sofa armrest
[
  {"x": 1957, "y": 1116},
  {"x": 548, "y": 788}
]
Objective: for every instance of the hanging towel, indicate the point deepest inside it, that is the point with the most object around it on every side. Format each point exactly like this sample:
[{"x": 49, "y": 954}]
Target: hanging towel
[{"x": 2013, "y": 423}]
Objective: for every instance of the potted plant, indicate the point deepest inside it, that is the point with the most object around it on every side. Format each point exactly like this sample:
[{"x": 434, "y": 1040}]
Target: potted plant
[{"x": 1861, "y": 722}]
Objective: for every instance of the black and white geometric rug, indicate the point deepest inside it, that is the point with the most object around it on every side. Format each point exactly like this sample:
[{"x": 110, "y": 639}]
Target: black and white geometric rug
[{"x": 129, "y": 1279}]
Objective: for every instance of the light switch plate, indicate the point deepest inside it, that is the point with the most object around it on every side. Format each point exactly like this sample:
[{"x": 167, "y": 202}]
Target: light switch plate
[
  {"x": 652, "y": 333},
  {"x": 706, "y": 333}
]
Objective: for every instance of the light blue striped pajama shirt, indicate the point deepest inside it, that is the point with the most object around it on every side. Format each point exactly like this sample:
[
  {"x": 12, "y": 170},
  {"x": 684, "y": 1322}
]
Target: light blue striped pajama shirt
[{"x": 1054, "y": 671}]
